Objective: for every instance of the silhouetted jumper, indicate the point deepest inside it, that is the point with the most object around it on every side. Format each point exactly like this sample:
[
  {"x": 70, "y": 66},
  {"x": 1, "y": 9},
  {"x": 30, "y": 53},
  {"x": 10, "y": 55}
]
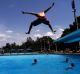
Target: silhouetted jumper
[{"x": 41, "y": 18}]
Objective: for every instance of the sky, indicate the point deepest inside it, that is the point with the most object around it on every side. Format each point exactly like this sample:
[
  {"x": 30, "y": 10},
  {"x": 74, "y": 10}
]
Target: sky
[{"x": 13, "y": 24}]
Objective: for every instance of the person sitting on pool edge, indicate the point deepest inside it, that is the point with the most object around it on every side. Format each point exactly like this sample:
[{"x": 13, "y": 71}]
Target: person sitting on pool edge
[
  {"x": 71, "y": 66},
  {"x": 34, "y": 62}
]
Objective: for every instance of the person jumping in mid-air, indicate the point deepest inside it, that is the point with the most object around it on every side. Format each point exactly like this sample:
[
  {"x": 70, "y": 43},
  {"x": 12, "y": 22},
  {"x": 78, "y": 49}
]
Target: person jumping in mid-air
[{"x": 41, "y": 18}]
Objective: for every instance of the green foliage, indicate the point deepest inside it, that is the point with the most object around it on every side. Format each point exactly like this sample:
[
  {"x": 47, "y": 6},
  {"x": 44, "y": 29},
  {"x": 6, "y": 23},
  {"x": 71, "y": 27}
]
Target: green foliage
[
  {"x": 72, "y": 27},
  {"x": 37, "y": 45}
]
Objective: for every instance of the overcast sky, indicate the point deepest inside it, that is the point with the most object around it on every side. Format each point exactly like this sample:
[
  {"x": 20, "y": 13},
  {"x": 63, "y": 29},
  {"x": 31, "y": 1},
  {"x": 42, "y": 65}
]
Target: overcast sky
[{"x": 13, "y": 24}]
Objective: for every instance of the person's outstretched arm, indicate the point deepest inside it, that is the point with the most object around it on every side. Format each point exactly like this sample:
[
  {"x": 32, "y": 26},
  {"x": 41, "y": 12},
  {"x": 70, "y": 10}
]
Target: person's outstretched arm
[
  {"x": 29, "y": 13},
  {"x": 48, "y": 8}
]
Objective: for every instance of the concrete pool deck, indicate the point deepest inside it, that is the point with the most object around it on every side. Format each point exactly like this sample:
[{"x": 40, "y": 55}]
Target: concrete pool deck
[{"x": 36, "y": 53}]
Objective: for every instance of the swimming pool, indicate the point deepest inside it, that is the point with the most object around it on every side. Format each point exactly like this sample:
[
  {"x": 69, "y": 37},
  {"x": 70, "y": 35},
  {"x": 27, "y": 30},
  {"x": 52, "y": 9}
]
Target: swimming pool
[{"x": 47, "y": 64}]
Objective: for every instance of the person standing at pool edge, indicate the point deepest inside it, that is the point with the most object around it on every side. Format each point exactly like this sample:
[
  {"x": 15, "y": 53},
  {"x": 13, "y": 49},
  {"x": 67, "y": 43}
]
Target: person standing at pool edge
[{"x": 41, "y": 18}]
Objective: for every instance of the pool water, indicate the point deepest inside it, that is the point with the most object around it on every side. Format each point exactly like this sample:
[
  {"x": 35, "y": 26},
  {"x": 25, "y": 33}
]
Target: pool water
[{"x": 46, "y": 64}]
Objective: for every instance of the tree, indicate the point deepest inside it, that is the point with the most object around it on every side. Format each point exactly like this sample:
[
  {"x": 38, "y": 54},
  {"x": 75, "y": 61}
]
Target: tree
[
  {"x": 7, "y": 48},
  {"x": 72, "y": 27}
]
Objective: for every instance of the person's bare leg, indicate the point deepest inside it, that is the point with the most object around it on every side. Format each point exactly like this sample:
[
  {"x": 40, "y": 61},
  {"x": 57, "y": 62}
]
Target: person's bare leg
[
  {"x": 48, "y": 23},
  {"x": 30, "y": 29},
  {"x": 34, "y": 23}
]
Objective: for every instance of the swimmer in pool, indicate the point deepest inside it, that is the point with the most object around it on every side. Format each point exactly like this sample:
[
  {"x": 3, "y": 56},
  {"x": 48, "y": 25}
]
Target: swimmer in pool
[
  {"x": 71, "y": 66},
  {"x": 34, "y": 62}
]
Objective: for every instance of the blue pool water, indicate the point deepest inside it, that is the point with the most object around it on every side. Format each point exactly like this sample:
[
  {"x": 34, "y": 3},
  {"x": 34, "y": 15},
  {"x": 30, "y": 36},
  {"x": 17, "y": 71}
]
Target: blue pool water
[{"x": 47, "y": 64}]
